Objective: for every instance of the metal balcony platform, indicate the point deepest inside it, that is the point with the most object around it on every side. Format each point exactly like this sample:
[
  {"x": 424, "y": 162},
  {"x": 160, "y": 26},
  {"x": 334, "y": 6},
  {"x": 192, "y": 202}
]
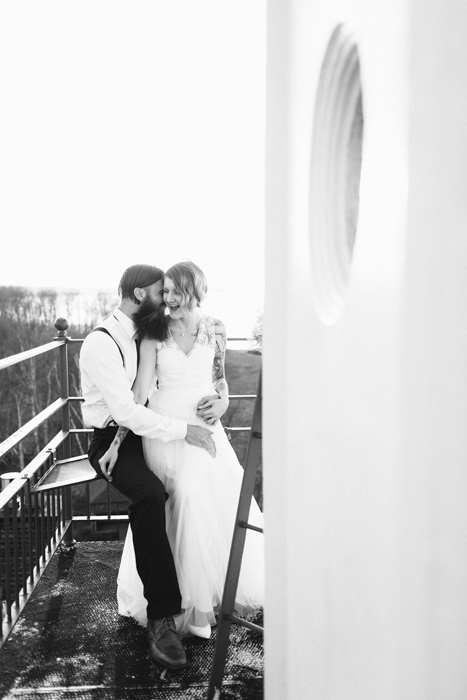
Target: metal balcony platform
[
  {"x": 66, "y": 472},
  {"x": 70, "y": 643}
]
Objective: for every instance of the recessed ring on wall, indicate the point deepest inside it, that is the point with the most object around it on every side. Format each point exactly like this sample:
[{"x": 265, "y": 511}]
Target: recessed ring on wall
[{"x": 335, "y": 172}]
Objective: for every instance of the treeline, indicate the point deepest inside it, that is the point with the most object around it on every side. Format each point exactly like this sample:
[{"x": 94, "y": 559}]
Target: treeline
[{"x": 27, "y": 319}]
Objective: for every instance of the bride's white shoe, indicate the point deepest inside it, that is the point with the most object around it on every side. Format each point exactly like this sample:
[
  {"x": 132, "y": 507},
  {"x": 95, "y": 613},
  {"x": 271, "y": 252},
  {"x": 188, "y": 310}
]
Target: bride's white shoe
[{"x": 204, "y": 632}]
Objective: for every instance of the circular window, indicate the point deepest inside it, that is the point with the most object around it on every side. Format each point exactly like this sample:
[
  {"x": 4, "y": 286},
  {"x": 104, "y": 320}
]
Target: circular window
[{"x": 336, "y": 158}]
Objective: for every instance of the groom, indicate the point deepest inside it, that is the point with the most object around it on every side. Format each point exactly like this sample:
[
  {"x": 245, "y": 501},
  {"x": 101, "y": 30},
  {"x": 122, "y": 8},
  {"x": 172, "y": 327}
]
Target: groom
[{"x": 108, "y": 364}]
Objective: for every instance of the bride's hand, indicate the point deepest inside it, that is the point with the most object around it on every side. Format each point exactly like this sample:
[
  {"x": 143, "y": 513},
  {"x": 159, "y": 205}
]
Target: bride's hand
[
  {"x": 211, "y": 408},
  {"x": 108, "y": 460}
]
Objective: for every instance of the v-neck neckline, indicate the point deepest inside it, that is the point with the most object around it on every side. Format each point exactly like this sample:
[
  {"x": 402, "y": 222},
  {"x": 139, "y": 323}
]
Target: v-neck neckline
[{"x": 186, "y": 354}]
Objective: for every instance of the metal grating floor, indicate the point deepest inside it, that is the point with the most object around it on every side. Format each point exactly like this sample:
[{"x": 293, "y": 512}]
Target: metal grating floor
[{"x": 70, "y": 643}]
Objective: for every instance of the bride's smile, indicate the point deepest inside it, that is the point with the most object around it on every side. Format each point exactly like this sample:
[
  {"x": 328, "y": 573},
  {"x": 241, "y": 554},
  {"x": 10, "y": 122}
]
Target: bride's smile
[{"x": 180, "y": 309}]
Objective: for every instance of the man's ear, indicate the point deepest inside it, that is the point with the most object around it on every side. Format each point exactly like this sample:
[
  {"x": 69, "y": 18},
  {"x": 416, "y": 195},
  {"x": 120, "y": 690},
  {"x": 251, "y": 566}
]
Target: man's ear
[{"x": 140, "y": 294}]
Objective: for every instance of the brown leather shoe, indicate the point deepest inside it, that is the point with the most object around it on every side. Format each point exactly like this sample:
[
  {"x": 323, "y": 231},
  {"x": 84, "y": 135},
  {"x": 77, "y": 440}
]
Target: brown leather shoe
[{"x": 164, "y": 643}]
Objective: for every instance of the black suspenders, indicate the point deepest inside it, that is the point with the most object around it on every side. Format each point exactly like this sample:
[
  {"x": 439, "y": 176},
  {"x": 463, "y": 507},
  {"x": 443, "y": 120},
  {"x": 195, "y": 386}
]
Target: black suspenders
[{"x": 104, "y": 330}]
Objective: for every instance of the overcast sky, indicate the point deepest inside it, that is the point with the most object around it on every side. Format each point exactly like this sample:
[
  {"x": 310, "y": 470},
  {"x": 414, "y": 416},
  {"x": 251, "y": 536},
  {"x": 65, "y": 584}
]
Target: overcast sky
[{"x": 131, "y": 132}]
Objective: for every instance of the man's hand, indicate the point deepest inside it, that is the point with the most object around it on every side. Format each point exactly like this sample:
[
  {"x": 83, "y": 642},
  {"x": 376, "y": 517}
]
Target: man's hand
[
  {"x": 200, "y": 437},
  {"x": 108, "y": 460},
  {"x": 211, "y": 408}
]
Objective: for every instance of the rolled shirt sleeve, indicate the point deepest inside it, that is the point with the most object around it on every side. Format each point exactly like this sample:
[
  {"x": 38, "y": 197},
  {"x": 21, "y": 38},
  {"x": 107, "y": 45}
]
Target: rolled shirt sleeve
[{"x": 107, "y": 392}]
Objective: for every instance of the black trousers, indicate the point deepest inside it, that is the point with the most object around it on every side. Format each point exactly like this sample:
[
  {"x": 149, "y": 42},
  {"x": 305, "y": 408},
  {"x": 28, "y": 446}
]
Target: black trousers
[{"x": 154, "y": 560}]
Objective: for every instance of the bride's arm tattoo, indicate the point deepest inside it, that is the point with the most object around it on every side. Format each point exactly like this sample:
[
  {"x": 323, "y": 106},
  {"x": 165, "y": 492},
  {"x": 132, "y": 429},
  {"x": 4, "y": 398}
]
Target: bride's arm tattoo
[
  {"x": 218, "y": 371},
  {"x": 221, "y": 386}
]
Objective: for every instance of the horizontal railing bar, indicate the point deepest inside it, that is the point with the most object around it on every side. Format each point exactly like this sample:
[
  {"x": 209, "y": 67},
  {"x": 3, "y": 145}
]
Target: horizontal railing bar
[
  {"x": 229, "y": 340},
  {"x": 28, "y": 354},
  {"x": 44, "y": 454},
  {"x": 31, "y": 425},
  {"x": 41, "y": 349},
  {"x": 19, "y": 482},
  {"x": 231, "y": 396},
  {"x": 34, "y": 423},
  {"x": 244, "y": 623},
  {"x": 80, "y": 431},
  {"x": 99, "y": 518},
  {"x": 247, "y": 526},
  {"x": 12, "y": 489},
  {"x": 242, "y": 396}
]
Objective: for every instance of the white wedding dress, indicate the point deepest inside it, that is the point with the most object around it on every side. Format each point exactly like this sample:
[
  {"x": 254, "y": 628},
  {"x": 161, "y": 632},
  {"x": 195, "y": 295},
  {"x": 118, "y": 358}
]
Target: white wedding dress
[{"x": 203, "y": 499}]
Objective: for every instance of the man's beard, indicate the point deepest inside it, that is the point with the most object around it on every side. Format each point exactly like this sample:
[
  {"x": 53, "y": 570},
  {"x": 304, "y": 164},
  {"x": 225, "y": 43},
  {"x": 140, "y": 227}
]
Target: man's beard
[{"x": 151, "y": 320}]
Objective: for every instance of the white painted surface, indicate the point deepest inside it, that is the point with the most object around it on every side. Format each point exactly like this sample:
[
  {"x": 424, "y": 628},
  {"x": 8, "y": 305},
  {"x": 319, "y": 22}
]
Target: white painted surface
[{"x": 364, "y": 420}]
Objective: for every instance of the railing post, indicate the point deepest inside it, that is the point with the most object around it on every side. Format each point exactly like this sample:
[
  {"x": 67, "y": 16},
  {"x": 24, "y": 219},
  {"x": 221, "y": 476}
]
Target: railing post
[{"x": 61, "y": 324}]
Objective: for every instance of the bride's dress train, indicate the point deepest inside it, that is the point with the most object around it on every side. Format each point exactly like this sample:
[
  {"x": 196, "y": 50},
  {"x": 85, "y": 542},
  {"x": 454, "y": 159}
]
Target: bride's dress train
[{"x": 203, "y": 499}]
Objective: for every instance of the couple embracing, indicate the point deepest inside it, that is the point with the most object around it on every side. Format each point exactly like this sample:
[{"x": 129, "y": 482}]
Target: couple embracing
[{"x": 154, "y": 390}]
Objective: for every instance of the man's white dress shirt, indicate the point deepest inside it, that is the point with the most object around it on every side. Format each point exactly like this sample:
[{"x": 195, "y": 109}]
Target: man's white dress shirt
[{"x": 106, "y": 383}]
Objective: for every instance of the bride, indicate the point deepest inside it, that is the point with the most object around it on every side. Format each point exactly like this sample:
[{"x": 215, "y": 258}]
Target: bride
[{"x": 184, "y": 378}]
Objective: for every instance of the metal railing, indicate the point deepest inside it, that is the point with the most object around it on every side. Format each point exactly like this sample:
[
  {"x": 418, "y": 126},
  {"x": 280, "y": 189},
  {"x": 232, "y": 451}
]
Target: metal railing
[{"x": 34, "y": 525}]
